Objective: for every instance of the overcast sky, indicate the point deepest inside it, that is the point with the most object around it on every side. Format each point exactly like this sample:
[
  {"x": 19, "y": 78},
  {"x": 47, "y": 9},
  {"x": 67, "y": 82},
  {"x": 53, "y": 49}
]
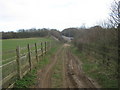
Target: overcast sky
[{"x": 57, "y": 14}]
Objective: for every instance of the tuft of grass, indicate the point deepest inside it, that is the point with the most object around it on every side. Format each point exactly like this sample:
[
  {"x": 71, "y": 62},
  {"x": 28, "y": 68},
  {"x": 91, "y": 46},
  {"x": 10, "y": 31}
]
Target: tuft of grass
[
  {"x": 57, "y": 75},
  {"x": 106, "y": 78},
  {"x": 27, "y": 80}
]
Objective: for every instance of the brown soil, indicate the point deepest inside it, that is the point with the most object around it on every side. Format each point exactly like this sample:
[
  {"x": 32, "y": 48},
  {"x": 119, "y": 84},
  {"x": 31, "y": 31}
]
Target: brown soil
[{"x": 72, "y": 74}]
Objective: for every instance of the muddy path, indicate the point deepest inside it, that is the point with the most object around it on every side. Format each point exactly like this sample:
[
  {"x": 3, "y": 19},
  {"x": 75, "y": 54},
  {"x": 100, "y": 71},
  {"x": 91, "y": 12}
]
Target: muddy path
[
  {"x": 72, "y": 74},
  {"x": 44, "y": 75}
]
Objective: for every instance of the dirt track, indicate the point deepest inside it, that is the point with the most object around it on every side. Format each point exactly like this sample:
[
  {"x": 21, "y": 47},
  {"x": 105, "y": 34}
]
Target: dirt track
[{"x": 72, "y": 74}]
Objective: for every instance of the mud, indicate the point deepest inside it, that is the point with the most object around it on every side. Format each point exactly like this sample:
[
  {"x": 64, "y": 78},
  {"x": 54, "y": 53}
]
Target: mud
[{"x": 72, "y": 74}]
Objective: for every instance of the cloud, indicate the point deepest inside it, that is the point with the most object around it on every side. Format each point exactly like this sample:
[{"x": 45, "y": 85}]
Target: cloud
[{"x": 60, "y": 14}]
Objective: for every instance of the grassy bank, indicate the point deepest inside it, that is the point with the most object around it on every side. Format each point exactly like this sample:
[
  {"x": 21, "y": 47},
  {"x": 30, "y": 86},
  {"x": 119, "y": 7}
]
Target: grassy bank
[
  {"x": 91, "y": 66},
  {"x": 30, "y": 79}
]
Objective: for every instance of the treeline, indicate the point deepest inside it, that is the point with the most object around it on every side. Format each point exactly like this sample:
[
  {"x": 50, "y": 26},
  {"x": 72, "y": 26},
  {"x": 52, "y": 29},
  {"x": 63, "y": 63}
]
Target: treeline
[
  {"x": 101, "y": 43},
  {"x": 22, "y": 33},
  {"x": 70, "y": 32},
  {"x": 96, "y": 40}
]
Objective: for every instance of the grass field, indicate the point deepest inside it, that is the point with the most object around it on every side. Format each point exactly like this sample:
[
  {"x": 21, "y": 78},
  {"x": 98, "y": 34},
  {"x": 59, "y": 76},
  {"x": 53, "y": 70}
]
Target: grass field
[{"x": 9, "y": 46}]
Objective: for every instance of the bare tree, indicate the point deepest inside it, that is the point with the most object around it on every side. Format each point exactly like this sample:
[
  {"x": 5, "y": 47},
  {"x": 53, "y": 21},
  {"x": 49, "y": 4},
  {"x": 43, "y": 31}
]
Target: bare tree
[{"x": 115, "y": 14}]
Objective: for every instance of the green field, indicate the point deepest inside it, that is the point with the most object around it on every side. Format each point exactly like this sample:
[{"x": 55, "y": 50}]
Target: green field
[{"x": 9, "y": 45}]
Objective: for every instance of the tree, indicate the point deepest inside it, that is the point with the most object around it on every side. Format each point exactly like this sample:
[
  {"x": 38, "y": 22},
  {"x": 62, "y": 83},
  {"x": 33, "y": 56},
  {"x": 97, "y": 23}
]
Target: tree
[
  {"x": 115, "y": 20},
  {"x": 115, "y": 14}
]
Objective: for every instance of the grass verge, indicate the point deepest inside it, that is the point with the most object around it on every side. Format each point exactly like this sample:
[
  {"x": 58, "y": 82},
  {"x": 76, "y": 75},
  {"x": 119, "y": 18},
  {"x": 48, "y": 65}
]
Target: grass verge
[
  {"x": 91, "y": 66},
  {"x": 57, "y": 74}
]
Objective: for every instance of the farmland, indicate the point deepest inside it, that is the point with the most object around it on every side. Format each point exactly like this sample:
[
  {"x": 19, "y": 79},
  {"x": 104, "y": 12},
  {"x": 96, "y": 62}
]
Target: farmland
[
  {"x": 23, "y": 54},
  {"x": 10, "y": 44},
  {"x": 60, "y": 44},
  {"x": 67, "y": 64}
]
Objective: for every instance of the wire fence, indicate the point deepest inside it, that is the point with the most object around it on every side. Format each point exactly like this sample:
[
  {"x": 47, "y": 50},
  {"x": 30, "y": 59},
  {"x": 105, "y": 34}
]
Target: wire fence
[{"x": 17, "y": 63}]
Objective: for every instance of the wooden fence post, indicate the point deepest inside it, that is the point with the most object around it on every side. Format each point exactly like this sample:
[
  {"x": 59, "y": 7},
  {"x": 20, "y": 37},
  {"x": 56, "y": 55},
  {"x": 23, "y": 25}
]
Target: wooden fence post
[
  {"x": 18, "y": 62},
  {"x": 29, "y": 56},
  {"x": 36, "y": 52},
  {"x": 45, "y": 47},
  {"x": 42, "y": 48}
]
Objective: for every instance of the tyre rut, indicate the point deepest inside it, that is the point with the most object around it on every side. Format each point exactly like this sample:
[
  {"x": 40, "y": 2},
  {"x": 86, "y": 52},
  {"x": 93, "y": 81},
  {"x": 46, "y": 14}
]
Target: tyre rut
[
  {"x": 72, "y": 74},
  {"x": 44, "y": 75}
]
